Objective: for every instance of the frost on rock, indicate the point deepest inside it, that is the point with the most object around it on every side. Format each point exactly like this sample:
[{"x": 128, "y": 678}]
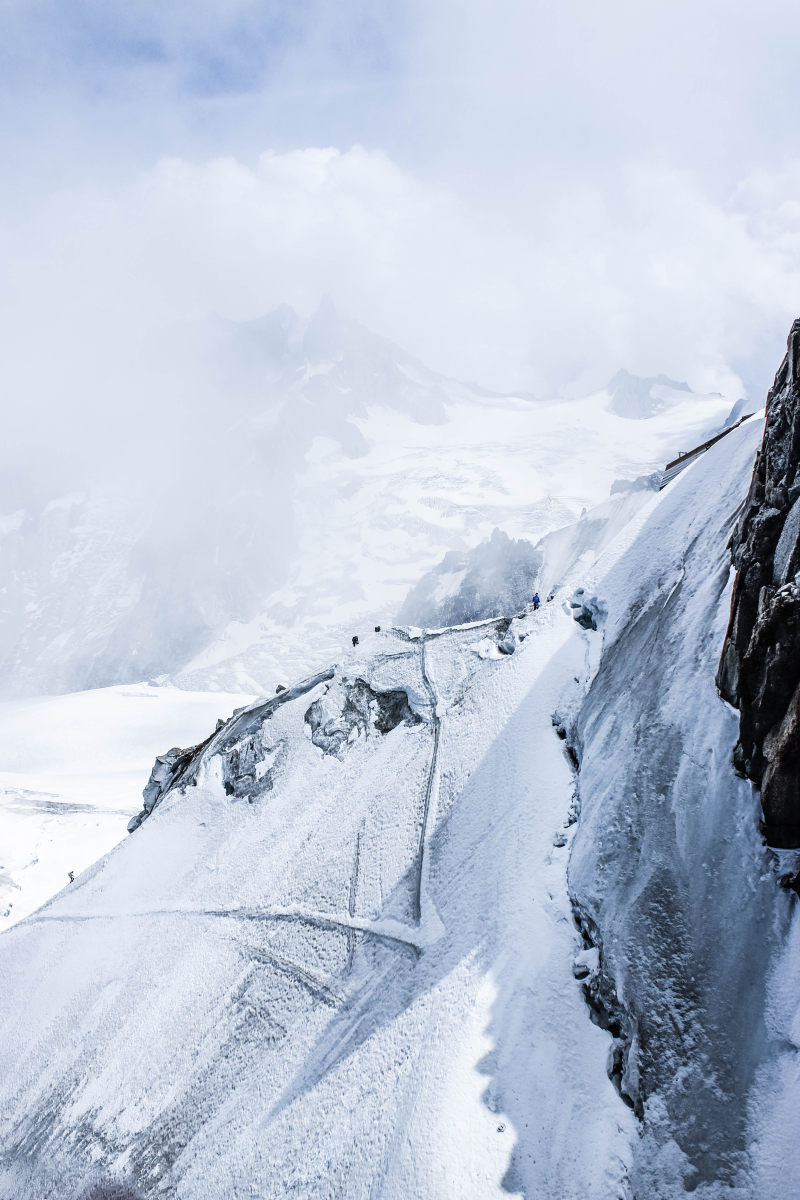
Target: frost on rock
[
  {"x": 351, "y": 708},
  {"x": 240, "y": 746},
  {"x": 501, "y": 640},
  {"x": 588, "y": 611}
]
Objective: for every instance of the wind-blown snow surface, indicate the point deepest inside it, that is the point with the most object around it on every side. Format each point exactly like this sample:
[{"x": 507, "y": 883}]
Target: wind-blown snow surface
[
  {"x": 669, "y": 866},
  {"x": 71, "y": 775},
  {"x": 358, "y": 985}
]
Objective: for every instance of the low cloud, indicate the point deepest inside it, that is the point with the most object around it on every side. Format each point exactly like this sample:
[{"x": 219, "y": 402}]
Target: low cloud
[
  {"x": 658, "y": 277},
  {"x": 520, "y": 215}
]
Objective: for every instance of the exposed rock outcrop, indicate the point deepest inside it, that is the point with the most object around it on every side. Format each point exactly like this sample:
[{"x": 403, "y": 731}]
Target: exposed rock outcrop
[
  {"x": 249, "y": 754},
  {"x": 351, "y": 708},
  {"x": 588, "y": 611},
  {"x": 241, "y": 744},
  {"x": 759, "y": 671}
]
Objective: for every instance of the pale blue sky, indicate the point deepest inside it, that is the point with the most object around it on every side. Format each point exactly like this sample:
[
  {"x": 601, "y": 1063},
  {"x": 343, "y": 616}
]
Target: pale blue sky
[{"x": 547, "y": 191}]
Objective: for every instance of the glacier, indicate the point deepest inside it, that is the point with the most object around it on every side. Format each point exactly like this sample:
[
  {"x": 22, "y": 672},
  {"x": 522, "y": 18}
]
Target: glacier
[{"x": 312, "y": 474}]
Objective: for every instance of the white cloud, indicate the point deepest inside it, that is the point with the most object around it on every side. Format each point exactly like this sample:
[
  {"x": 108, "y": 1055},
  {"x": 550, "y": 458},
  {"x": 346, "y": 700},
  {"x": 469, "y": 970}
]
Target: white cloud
[
  {"x": 561, "y": 190},
  {"x": 659, "y": 277}
]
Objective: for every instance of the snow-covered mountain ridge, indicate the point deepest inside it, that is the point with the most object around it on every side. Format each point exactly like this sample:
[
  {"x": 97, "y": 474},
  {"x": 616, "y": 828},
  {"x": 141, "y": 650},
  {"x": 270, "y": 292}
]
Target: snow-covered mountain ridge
[{"x": 339, "y": 956}]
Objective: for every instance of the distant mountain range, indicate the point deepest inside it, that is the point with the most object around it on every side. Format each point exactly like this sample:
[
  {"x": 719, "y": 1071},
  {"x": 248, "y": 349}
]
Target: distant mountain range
[{"x": 315, "y": 472}]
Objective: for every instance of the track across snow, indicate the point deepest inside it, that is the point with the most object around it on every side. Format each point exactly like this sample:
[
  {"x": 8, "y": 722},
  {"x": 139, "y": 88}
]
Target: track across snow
[{"x": 360, "y": 985}]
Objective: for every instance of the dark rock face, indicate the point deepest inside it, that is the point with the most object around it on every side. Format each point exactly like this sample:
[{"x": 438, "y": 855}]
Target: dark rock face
[
  {"x": 351, "y": 708},
  {"x": 759, "y": 671}
]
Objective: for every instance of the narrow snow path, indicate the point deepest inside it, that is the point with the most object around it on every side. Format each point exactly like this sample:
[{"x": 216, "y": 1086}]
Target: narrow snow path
[{"x": 427, "y": 920}]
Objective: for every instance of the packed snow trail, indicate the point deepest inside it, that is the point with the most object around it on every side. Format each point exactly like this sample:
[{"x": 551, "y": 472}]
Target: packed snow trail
[
  {"x": 286, "y": 1031},
  {"x": 431, "y": 787}
]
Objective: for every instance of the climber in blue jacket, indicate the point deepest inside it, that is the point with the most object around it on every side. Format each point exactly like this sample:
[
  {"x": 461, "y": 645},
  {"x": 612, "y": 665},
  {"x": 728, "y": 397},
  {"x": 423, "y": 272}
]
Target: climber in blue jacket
[{"x": 535, "y": 601}]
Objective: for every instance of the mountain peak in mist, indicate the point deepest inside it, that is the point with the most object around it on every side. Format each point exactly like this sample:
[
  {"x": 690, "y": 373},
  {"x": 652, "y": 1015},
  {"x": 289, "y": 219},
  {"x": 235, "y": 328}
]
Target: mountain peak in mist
[
  {"x": 637, "y": 398},
  {"x": 324, "y": 331}
]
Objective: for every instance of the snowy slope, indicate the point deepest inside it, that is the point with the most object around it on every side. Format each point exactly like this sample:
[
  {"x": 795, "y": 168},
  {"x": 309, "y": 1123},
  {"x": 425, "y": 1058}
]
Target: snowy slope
[
  {"x": 343, "y": 963},
  {"x": 336, "y": 473},
  {"x": 359, "y": 984},
  {"x": 668, "y": 866},
  {"x": 71, "y": 775}
]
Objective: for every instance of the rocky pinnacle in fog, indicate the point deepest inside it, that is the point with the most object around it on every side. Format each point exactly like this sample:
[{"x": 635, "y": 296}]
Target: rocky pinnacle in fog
[{"x": 759, "y": 671}]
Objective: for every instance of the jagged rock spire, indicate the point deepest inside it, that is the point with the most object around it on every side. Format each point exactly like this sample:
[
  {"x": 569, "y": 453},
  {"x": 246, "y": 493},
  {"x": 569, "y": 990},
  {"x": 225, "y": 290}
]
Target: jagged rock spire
[{"x": 759, "y": 670}]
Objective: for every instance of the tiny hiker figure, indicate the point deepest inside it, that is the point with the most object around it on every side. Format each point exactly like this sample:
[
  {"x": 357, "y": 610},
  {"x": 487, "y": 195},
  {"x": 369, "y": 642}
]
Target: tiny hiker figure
[
  {"x": 71, "y": 876},
  {"x": 535, "y": 601},
  {"x": 355, "y": 639}
]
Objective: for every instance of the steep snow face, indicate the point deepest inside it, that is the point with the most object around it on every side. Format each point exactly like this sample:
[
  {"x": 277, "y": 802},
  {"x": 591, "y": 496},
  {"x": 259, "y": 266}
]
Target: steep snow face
[
  {"x": 668, "y": 869},
  {"x": 327, "y": 472},
  {"x": 354, "y": 981}
]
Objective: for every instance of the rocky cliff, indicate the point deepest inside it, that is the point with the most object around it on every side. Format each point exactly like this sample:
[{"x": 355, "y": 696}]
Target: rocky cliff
[{"x": 759, "y": 672}]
